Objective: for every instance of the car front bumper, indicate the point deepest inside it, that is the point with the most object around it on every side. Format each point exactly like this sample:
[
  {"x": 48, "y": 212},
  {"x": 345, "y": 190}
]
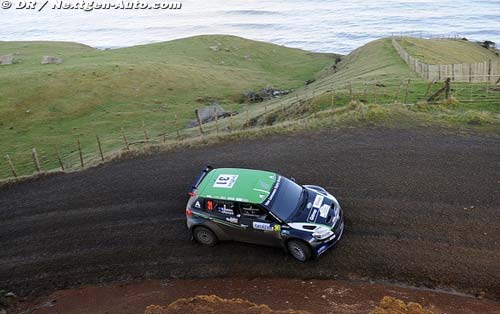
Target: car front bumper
[{"x": 321, "y": 247}]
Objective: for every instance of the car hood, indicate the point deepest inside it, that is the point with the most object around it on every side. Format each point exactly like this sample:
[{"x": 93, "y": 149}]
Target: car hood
[{"x": 320, "y": 209}]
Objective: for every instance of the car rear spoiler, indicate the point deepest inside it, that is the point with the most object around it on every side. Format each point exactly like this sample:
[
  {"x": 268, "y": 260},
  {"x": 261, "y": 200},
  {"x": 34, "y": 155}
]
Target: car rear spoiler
[{"x": 200, "y": 178}]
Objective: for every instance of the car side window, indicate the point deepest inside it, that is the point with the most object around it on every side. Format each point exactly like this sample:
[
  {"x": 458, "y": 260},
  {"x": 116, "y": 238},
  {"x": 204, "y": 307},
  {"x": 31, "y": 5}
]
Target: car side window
[
  {"x": 227, "y": 208},
  {"x": 252, "y": 211}
]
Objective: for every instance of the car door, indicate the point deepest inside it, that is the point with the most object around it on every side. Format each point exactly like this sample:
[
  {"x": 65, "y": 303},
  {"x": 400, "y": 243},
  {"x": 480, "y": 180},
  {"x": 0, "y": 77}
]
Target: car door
[
  {"x": 225, "y": 216},
  {"x": 261, "y": 228}
]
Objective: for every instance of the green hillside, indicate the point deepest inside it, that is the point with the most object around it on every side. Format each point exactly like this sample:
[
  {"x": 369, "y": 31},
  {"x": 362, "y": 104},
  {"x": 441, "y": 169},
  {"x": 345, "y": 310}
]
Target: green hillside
[
  {"x": 99, "y": 92},
  {"x": 376, "y": 60},
  {"x": 142, "y": 78},
  {"x": 373, "y": 71},
  {"x": 369, "y": 85}
]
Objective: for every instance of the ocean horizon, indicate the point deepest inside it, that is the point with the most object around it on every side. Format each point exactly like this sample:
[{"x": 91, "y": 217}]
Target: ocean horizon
[{"x": 316, "y": 25}]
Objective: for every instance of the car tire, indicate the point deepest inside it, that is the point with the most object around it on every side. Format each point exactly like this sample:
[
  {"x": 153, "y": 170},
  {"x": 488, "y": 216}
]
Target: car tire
[
  {"x": 204, "y": 236},
  {"x": 299, "y": 250}
]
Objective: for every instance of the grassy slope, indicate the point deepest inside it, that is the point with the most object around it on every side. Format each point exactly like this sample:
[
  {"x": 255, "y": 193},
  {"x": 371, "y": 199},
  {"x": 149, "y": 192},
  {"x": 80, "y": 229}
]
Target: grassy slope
[
  {"x": 375, "y": 62},
  {"x": 439, "y": 51},
  {"x": 99, "y": 92},
  {"x": 376, "y": 73}
]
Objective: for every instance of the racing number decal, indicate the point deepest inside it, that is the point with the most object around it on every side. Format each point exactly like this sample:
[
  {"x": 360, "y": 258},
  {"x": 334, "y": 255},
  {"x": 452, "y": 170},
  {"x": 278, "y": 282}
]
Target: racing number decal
[{"x": 225, "y": 181}]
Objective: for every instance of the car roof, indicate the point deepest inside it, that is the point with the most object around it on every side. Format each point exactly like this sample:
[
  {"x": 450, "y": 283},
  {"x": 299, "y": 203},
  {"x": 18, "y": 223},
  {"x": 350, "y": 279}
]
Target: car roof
[{"x": 236, "y": 184}]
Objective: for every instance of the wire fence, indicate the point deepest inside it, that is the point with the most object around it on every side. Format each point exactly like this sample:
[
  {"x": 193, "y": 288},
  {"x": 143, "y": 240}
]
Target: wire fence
[{"x": 91, "y": 149}]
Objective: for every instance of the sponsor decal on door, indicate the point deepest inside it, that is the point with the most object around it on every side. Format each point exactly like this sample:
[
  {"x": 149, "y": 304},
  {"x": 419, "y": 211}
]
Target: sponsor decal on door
[{"x": 262, "y": 226}]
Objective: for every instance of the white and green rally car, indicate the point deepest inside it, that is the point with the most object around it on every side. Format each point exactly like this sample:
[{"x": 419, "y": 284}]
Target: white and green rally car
[{"x": 264, "y": 208}]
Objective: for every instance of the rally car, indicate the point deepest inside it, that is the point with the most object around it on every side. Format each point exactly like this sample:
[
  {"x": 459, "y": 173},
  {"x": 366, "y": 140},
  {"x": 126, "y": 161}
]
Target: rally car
[{"x": 263, "y": 207}]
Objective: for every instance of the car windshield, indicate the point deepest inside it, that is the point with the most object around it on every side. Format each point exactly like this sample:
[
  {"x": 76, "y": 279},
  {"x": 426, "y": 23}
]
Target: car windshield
[{"x": 285, "y": 198}]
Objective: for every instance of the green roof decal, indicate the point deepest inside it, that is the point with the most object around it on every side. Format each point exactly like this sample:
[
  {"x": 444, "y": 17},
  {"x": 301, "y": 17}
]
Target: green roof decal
[{"x": 233, "y": 184}]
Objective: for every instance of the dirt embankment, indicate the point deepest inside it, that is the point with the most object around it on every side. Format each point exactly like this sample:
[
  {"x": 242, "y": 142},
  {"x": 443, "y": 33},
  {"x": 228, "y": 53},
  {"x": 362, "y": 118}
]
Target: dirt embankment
[
  {"x": 421, "y": 207},
  {"x": 257, "y": 296}
]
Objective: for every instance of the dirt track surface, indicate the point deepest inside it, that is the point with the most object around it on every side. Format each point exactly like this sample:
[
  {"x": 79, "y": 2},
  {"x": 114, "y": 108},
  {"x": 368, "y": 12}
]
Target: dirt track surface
[{"x": 421, "y": 207}]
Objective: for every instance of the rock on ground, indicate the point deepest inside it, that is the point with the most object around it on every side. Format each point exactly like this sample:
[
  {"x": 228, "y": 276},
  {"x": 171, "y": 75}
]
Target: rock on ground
[
  {"x": 212, "y": 304},
  {"x": 208, "y": 114},
  {"x": 6, "y": 59},
  {"x": 390, "y": 305},
  {"x": 265, "y": 93},
  {"x": 51, "y": 60}
]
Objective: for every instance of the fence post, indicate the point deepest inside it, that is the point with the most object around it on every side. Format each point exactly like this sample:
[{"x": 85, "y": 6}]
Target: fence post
[
  {"x": 407, "y": 90},
  {"x": 35, "y": 159},
  {"x": 59, "y": 159},
  {"x": 11, "y": 164},
  {"x": 125, "y": 140},
  {"x": 396, "y": 96},
  {"x": 372, "y": 97},
  {"x": 176, "y": 126},
  {"x": 146, "y": 137},
  {"x": 351, "y": 96},
  {"x": 217, "y": 123},
  {"x": 489, "y": 70},
  {"x": 165, "y": 134},
  {"x": 80, "y": 152},
  {"x": 100, "y": 147},
  {"x": 231, "y": 122},
  {"x": 447, "y": 91},
  {"x": 428, "y": 89},
  {"x": 199, "y": 121}
]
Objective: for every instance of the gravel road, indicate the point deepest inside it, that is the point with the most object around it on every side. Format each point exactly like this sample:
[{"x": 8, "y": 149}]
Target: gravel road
[{"x": 421, "y": 206}]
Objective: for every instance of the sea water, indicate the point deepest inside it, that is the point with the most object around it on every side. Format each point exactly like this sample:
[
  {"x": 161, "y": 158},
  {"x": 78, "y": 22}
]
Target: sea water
[{"x": 317, "y": 25}]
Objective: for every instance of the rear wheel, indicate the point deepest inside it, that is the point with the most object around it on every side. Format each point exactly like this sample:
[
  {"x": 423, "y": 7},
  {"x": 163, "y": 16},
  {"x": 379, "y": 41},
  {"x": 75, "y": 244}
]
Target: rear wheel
[
  {"x": 205, "y": 236},
  {"x": 299, "y": 250}
]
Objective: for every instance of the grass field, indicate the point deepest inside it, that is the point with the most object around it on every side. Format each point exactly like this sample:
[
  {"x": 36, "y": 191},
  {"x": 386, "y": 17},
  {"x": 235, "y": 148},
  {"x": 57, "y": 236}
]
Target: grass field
[
  {"x": 443, "y": 51},
  {"x": 100, "y": 92}
]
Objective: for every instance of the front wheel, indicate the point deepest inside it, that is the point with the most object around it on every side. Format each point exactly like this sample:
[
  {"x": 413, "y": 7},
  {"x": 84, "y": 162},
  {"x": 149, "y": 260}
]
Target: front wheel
[
  {"x": 205, "y": 236},
  {"x": 299, "y": 250}
]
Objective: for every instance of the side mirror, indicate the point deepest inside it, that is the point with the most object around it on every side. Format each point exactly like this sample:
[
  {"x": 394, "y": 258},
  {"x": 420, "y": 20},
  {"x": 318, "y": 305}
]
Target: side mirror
[{"x": 293, "y": 179}]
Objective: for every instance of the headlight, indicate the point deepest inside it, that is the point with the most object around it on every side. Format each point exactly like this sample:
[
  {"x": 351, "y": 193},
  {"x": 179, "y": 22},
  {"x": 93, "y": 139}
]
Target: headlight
[{"x": 321, "y": 233}]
